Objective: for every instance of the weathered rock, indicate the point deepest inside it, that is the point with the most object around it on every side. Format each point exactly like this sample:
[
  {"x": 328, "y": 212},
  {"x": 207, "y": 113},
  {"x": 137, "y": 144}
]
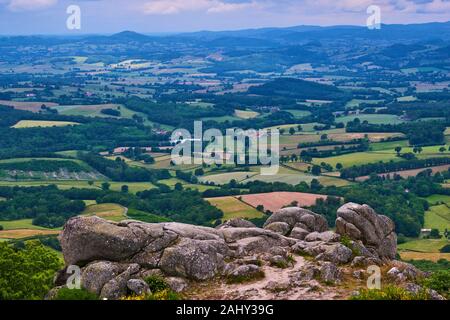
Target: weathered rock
[
  {"x": 310, "y": 221},
  {"x": 86, "y": 239},
  {"x": 117, "y": 287},
  {"x": 336, "y": 253},
  {"x": 279, "y": 227},
  {"x": 327, "y": 236},
  {"x": 177, "y": 284},
  {"x": 194, "y": 259},
  {"x": 236, "y": 223},
  {"x": 361, "y": 261},
  {"x": 329, "y": 273},
  {"x": 247, "y": 271},
  {"x": 138, "y": 287},
  {"x": 361, "y": 222},
  {"x": 299, "y": 233},
  {"x": 95, "y": 275}
]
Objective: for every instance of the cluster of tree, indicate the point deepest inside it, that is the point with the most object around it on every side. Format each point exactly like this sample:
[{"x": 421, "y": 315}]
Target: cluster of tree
[
  {"x": 98, "y": 135},
  {"x": 392, "y": 166},
  {"x": 299, "y": 89},
  {"x": 178, "y": 205},
  {"x": 139, "y": 154},
  {"x": 418, "y": 133},
  {"x": 47, "y": 206},
  {"x": 118, "y": 170},
  {"x": 111, "y": 112}
]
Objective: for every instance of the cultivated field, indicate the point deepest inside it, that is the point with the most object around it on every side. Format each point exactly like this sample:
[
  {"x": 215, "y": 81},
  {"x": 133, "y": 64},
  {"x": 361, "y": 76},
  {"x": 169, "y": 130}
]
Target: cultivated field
[
  {"x": 234, "y": 208},
  {"x": 276, "y": 200},
  {"x": 25, "y": 233},
  {"x": 224, "y": 178},
  {"x": 22, "y": 124},
  {"x": 411, "y": 255}
]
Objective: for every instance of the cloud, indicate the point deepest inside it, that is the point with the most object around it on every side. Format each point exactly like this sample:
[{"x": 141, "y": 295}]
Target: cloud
[
  {"x": 25, "y": 5},
  {"x": 166, "y": 7}
]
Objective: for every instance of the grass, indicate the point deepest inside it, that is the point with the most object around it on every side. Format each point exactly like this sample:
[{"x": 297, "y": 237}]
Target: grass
[
  {"x": 388, "y": 145},
  {"x": 108, "y": 211},
  {"x": 423, "y": 245},
  {"x": 234, "y": 208},
  {"x": 438, "y": 217},
  {"x": 372, "y": 118},
  {"x": 357, "y": 158},
  {"x": 224, "y": 178},
  {"x": 21, "y": 224},
  {"x": 64, "y": 185},
  {"x": 436, "y": 199},
  {"x": 22, "y": 124}
]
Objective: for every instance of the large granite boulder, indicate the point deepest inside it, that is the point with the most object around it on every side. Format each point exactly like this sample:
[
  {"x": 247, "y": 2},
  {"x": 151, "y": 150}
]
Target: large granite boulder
[
  {"x": 298, "y": 217},
  {"x": 362, "y": 223}
]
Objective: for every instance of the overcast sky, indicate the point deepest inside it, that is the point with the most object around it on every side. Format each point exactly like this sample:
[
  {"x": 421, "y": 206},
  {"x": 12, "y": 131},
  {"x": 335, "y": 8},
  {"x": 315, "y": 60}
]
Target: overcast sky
[{"x": 160, "y": 16}]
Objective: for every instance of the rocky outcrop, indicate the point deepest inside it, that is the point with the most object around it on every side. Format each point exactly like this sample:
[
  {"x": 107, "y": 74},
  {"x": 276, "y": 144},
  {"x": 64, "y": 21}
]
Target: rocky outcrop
[
  {"x": 376, "y": 232},
  {"x": 116, "y": 258}
]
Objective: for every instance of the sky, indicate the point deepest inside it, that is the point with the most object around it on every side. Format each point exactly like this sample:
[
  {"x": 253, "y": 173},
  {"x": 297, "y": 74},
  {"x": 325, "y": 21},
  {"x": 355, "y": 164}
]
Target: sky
[{"x": 23, "y": 17}]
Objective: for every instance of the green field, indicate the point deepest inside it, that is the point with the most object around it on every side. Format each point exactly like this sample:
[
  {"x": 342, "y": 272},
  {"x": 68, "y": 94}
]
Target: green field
[
  {"x": 234, "y": 208},
  {"x": 21, "y": 224},
  {"x": 357, "y": 158},
  {"x": 372, "y": 118},
  {"x": 437, "y": 199},
  {"x": 64, "y": 185},
  {"x": 424, "y": 245},
  {"x": 22, "y": 124},
  {"x": 389, "y": 145},
  {"x": 438, "y": 217},
  {"x": 385, "y": 155},
  {"x": 299, "y": 113},
  {"x": 224, "y": 178}
]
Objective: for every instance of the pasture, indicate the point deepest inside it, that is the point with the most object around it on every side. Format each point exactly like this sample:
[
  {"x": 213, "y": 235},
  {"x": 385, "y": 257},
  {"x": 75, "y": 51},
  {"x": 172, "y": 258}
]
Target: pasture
[
  {"x": 438, "y": 217},
  {"x": 234, "y": 208},
  {"x": 224, "y": 178},
  {"x": 372, "y": 118}
]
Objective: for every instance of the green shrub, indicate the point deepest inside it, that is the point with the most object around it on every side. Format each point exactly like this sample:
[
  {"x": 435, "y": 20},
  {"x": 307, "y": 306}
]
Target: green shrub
[
  {"x": 389, "y": 293},
  {"x": 75, "y": 294},
  {"x": 160, "y": 289},
  {"x": 439, "y": 281},
  {"x": 156, "y": 283},
  {"x": 444, "y": 249}
]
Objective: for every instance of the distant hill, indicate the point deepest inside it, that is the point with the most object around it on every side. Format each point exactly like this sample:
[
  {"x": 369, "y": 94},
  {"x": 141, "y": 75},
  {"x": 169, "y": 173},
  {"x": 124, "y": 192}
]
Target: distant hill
[{"x": 299, "y": 89}]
